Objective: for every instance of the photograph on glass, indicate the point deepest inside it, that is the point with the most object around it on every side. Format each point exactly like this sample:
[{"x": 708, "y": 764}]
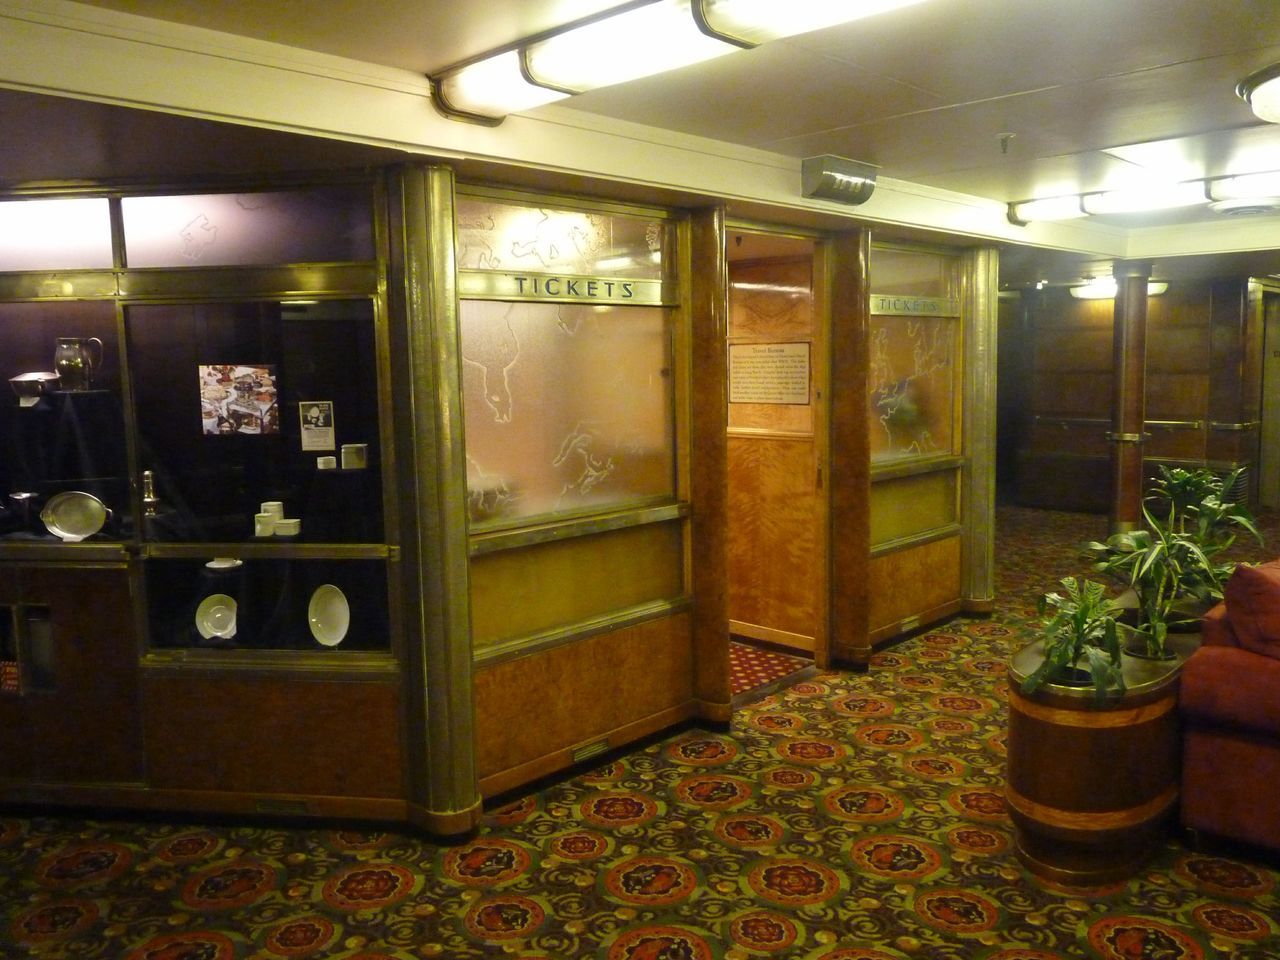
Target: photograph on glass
[{"x": 238, "y": 399}]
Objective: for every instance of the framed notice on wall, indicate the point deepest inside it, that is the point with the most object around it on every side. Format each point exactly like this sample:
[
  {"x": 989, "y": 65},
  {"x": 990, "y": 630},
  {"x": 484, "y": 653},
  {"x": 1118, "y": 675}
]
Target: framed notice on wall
[{"x": 769, "y": 373}]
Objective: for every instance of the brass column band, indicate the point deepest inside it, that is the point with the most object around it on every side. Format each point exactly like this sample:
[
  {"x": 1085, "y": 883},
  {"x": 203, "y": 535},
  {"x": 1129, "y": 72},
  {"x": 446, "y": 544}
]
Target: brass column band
[
  {"x": 1093, "y": 820},
  {"x": 1126, "y": 437}
]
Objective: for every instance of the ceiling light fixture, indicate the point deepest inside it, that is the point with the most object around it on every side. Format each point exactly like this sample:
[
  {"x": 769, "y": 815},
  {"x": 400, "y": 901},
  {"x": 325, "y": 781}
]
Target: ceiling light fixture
[
  {"x": 1159, "y": 196},
  {"x": 1050, "y": 208},
  {"x": 1104, "y": 288},
  {"x": 635, "y": 43},
  {"x": 1261, "y": 90},
  {"x": 1248, "y": 186},
  {"x": 751, "y": 22},
  {"x": 630, "y": 41}
]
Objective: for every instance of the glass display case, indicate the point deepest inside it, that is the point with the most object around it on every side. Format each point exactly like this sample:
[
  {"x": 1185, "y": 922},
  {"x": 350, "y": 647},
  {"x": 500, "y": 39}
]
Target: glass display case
[{"x": 63, "y": 467}]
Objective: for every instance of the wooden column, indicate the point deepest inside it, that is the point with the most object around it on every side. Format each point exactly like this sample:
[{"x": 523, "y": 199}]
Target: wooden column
[
  {"x": 1129, "y": 406},
  {"x": 709, "y": 465},
  {"x": 1235, "y": 378},
  {"x": 849, "y": 509}
]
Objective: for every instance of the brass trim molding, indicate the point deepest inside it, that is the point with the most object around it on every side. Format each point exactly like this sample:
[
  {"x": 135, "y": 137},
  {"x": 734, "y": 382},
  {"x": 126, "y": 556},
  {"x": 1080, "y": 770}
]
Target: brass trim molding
[
  {"x": 1065, "y": 422},
  {"x": 916, "y": 539},
  {"x": 914, "y": 468},
  {"x": 1175, "y": 424},
  {"x": 309, "y": 664},
  {"x": 246, "y": 551},
  {"x": 498, "y": 540},
  {"x": 1247, "y": 425},
  {"x": 514, "y": 647}
]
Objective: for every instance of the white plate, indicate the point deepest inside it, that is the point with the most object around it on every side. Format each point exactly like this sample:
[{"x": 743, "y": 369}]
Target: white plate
[
  {"x": 74, "y": 515},
  {"x": 216, "y": 616},
  {"x": 329, "y": 615}
]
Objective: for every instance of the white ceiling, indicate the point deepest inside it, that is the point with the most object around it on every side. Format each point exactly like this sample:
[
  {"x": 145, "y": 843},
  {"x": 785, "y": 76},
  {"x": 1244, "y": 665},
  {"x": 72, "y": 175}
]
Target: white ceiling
[{"x": 1001, "y": 99}]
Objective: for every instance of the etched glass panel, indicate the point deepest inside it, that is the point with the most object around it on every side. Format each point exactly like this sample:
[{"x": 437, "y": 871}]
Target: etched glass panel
[
  {"x": 912, "y": 273},
  {"x": 502, "y": 236},
  {"x": 568, "y": 407},
  {"x": 324, "y": 225},
  {"x": 911, "y": 387},
  {"x": 70, "y": 234}
]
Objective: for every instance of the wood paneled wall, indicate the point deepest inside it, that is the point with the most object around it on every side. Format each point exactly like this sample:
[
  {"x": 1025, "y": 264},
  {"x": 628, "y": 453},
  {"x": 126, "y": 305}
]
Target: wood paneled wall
[{"x": 1202, "y": 387}]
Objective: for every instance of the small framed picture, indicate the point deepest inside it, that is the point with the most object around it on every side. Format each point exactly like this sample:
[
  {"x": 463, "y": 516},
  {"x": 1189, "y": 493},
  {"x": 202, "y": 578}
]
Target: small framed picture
[
  {"x": 316, "y": 417},
  {"x": 238, "y": 398}
]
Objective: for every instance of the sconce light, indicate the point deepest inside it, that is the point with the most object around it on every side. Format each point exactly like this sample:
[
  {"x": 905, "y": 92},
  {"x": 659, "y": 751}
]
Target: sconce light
[
  {"x": 633, "y": 40},
  {"x": 836, "y": 178},
  {"x": 1261, "y": 91}
]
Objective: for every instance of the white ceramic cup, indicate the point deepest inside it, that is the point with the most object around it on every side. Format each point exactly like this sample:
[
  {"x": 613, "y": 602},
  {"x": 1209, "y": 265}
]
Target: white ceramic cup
[
  {"x": 273, "y": 507},
  {"x": 288, "y": 527},
  {"x": 326, "y": 463},
  {"x": 264, "y": 524}
]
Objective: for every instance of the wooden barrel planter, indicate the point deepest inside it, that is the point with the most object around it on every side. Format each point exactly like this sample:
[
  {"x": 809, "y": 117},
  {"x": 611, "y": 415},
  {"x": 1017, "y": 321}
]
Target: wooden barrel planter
[{"x": 1093, "y": 786}]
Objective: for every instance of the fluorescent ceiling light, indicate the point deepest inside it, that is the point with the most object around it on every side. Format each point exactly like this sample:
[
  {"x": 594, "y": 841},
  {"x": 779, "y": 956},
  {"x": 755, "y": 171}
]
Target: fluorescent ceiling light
[
  {"x": 635, "y": 43},
  {"x": 1144, "y": 198},
  {"x": 491, "y": 89},
  {"x": 755, "y": 21},
  {"x": 1248, "y": 186},
  {"x": 1261, "y": 91},
  {"x": 1104, "y": 288},
  {"x": 1050, "y": 208}
]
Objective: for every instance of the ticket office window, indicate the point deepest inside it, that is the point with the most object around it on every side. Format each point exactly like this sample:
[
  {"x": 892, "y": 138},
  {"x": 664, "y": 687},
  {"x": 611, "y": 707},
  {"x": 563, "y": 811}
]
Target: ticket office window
[{"x": 569, "y": 398}]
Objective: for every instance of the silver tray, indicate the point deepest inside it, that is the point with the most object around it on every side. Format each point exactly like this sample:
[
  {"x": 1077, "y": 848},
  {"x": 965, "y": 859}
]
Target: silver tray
[{"x": 74, "y": 515}]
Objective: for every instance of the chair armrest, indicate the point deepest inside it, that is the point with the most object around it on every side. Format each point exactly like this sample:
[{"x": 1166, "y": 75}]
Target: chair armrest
[
  {"x": 1215, "y": 627},
  {"x": 1231, "y": 687}
]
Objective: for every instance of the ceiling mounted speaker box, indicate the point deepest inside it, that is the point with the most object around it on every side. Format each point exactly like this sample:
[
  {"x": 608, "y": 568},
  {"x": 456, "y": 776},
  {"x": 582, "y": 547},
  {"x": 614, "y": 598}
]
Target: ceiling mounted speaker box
[{"x": 837, "y": 178}]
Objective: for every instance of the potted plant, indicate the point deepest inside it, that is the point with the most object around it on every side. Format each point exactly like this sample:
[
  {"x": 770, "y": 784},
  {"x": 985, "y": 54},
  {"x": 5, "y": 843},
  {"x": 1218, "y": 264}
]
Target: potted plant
[
  {"x": 1093, "y": 744},
  {"x": 1172, "y": 565},
  {"x": 1082, "y": 628}
]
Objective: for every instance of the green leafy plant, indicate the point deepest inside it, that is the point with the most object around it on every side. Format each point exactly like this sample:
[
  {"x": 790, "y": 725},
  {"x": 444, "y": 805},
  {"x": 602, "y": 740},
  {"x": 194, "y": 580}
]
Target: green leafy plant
[
  {"x": 1082, "y": 628},
  {"x": 1172, "y": 565}
]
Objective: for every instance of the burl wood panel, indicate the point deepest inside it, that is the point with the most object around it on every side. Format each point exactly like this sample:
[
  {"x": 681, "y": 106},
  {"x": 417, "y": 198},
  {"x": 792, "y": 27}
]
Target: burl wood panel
[
  {"x": 911, "y": 582},
  {"x": 846, "y": 265},
  {"x": 258, "y": 735},
  {"x": 86, "y": 727},
  {"x": 773, "y": 516},
  {"x": 531, "y": 708},
  {"x": 708, "y": 461}
]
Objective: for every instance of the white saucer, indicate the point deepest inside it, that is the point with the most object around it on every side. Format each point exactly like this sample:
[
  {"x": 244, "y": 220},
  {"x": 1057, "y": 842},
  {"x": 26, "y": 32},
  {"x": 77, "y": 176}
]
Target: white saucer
[
  {"x": 329, "y": 615},
  {"x": 216, "y": 616}
]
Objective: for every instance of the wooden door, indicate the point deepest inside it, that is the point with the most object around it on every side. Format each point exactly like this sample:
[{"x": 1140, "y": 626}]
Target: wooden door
[{"x": 777, "y": 552}]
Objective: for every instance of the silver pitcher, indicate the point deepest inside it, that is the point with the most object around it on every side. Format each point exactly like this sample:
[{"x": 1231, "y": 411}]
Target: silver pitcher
[{"x": 75, "y": 363}]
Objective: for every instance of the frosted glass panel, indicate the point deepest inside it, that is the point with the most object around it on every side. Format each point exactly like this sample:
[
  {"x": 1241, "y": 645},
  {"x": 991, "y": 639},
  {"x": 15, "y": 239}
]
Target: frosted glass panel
[
  {"x": 911, "y": 387},
  {"x": 55, "y": 234},
  {"x": 912, "y": 273},
  {"x": 329, "y": 224},
  {"x": 568, "y": 407},
  {"x": 503, "y": 236}
]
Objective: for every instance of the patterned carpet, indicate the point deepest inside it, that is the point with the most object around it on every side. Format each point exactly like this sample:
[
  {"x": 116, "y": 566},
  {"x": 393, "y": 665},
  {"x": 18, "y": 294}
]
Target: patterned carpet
[
  {"x": 752, "y": 667},
  {"x": 847, "y": 817}
]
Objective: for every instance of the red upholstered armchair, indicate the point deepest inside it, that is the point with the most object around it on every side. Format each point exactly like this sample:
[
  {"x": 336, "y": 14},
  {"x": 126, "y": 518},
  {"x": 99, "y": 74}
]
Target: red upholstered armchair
[{"x": 1230, "y": 707}]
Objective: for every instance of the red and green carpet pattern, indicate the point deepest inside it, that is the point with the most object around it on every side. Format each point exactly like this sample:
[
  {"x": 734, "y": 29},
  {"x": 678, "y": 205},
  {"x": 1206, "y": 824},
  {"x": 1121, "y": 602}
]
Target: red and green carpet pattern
[
  {"x": 846, "y": 817},
  {"x": 751, "y": 667}
]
